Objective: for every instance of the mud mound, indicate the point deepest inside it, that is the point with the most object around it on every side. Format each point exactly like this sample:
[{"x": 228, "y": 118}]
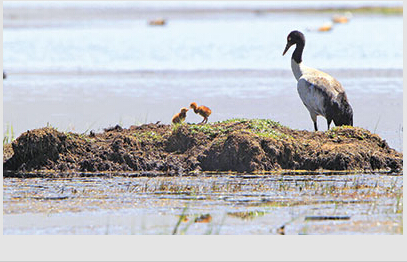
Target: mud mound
[
  {"x": 239, "y": 152},
  {"x": 235, "y": 145},
  {"x": 182, "y": 139},
  {"x": 7, "y": 152},
  {"x": 37, "y": 149}
]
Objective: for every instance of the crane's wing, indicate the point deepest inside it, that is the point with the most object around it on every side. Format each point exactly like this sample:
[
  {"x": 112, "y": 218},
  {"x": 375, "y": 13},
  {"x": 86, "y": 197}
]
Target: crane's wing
[
  {"x": 325, "y": 96},
  {"x": 323, "y": 80}
]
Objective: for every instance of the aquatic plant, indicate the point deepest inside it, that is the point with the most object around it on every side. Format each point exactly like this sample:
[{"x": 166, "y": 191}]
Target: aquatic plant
[
  {"x": 181, "y": 218},
  {"x": 8, "y": 135}
]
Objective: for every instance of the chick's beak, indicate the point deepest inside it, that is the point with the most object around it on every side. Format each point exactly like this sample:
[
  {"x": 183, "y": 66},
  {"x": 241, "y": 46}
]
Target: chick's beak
[{"x": 287, "y": 47}]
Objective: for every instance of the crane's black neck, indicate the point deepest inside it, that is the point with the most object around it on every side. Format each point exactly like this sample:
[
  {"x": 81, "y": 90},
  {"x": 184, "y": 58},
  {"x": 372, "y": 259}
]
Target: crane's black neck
[{"x": 297, "y": 55}]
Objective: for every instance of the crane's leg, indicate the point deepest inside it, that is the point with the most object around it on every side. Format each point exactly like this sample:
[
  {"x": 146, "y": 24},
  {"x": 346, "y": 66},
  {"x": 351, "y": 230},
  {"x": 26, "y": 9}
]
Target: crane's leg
[
  {"x": 329, "y": 123},
  {"x": 314, "y": 119}
]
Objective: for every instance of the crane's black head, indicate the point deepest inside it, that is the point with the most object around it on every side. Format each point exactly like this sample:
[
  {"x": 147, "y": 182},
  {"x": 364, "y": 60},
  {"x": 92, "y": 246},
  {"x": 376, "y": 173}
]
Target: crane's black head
[{"x": 295, "y": 37}]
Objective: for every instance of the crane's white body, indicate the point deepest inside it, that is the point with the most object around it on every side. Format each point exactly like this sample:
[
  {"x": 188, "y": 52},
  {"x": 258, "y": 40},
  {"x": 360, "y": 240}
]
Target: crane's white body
[{"x": 314, "y": 87}]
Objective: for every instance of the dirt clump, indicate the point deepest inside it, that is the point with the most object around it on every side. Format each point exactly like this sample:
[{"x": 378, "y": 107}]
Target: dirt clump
[
  {"x": 240, "y": 145},
  {"x": 238, "y": 152}
]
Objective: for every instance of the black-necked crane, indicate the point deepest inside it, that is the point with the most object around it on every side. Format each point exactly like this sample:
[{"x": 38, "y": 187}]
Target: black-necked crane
[{"x": 321, "y": 93}]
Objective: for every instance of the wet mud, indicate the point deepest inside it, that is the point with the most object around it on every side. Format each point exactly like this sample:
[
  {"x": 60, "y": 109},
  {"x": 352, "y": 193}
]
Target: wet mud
[{"x": 234, "y": 145}]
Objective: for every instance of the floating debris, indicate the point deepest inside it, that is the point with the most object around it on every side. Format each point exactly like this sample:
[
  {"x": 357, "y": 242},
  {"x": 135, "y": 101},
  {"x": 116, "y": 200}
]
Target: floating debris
[
  {"x": 204, "y": 219},
  {"x": 51, "y": 198},
  {"x": 342, "y": 19},
  {"x": 281, "y": 230},
  {"x": 313, "y": 218},
  {"x": 160, "y": 21},
  {"x": 326, "y": 27},
  {"x": 247, "y": 215}
]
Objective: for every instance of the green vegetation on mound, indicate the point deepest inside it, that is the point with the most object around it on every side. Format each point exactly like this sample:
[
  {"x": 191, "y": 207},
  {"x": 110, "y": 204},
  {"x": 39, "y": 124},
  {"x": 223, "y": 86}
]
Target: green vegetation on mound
[{"x": 242, "y": 145}]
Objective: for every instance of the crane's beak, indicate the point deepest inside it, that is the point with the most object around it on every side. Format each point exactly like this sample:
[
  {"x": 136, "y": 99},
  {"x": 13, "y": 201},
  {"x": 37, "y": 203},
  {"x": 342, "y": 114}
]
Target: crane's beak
[{"x": 287, "y": 47}]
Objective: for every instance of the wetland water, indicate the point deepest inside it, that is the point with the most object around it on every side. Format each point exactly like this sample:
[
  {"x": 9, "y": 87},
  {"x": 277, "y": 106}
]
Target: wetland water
[
  {"x": 308, "y": 203},
  {"x": 81, "y": 68}
]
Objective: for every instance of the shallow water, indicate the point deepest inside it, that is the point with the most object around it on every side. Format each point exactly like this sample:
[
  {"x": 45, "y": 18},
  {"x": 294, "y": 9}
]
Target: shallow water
[{"x": 236, "y": 204}]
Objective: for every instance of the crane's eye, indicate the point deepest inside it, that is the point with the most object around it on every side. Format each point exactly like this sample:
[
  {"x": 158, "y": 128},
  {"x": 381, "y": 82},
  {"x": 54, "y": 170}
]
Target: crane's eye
[{"x": 289, "y": 39}]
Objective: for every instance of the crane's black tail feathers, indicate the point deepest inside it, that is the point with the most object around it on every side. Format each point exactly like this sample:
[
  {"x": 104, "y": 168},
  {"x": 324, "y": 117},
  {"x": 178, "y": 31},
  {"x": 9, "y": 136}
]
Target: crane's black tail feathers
[{"x": 344, "y": 112}]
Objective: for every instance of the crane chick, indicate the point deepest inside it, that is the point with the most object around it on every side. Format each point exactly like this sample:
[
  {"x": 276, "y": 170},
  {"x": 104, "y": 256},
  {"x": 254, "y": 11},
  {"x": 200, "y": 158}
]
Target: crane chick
[
  {"x": 204, "y": 111},
  {"x": 180, "y": 117}
]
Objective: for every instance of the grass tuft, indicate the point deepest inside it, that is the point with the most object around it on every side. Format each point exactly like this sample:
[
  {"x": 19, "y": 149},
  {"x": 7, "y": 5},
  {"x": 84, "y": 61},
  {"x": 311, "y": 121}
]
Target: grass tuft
[{"x": 8, "y": 134}]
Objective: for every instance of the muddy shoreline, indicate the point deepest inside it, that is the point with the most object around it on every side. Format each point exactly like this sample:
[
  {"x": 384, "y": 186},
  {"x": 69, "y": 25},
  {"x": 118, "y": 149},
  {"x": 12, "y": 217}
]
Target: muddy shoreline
[{"x": 237, "y": 145}]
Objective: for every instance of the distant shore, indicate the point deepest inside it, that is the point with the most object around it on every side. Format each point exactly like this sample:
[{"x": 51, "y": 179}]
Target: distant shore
[{"x": 52, "y": 16}]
